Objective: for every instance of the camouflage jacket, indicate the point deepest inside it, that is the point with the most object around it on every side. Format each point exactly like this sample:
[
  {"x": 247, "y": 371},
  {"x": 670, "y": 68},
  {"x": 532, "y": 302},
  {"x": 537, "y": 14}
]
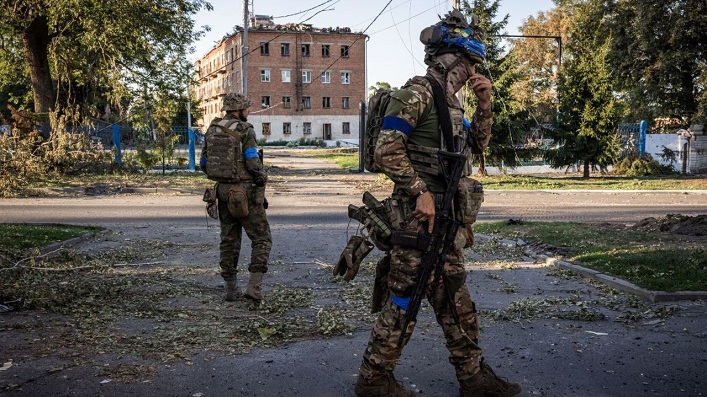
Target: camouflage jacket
[{"x": 411, "y": 122}]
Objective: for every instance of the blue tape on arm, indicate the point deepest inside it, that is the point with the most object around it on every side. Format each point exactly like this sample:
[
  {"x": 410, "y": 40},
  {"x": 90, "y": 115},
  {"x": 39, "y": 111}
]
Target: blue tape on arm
[
  {"x": 401, "y": 302},
  {"x": 202, "y": 161},
  {"x": 398, "y": 124},
  {"x": 466, "y": 123},
  {"x": 250, "y": 153}
]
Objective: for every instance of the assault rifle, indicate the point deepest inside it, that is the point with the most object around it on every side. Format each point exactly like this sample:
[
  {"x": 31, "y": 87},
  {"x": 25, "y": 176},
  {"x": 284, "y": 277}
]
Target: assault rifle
[{"x": 437, "y": 245}]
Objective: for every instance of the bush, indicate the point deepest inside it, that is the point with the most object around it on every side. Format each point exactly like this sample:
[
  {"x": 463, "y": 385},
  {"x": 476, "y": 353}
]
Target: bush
[
  {"x": 643, "y": 166},
  {"x": 147, "y": 160}
]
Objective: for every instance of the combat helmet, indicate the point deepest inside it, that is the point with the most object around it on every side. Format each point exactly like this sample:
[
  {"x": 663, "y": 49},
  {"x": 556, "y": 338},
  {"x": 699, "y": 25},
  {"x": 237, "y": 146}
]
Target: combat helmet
[
  {"x": 233, "y": 101},
  {"x": 454, "y": 34}
]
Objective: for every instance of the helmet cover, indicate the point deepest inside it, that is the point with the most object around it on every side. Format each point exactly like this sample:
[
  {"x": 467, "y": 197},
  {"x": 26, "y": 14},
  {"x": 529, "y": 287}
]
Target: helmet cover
[
  {"x": 454, "y": 33},
  {"x": 233, "y": 101}
]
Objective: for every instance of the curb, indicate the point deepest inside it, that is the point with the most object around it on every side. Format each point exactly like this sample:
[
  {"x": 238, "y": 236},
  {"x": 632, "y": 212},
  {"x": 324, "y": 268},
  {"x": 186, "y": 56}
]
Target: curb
[
  {"x": 623, "y": 285},
  {"x": 153, "y": 190},
  {"x": 70, "y": 242}
]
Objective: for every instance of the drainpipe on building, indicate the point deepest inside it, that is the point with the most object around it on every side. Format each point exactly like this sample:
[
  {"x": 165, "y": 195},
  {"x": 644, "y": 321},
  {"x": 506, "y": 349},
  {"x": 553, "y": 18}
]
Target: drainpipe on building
[{"x": 245, "y": 48}]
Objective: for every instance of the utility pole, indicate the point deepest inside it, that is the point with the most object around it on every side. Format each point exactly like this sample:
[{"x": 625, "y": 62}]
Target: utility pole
[{"x": 246, "y": 22}]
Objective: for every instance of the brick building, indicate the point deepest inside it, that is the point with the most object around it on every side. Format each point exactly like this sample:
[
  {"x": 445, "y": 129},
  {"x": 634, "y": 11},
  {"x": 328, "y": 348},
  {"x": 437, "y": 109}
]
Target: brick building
[{"x": 304, "y": 82}]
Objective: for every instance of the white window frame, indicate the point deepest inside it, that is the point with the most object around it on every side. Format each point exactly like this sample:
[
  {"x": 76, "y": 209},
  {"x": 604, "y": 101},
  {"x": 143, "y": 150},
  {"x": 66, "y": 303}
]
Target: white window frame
[
  {"x": 306, "y": 76},
  {"x": 326, "y": 77},
  {"x": 265, "y": 75},
  {"x": 345, "y": 77},
  {"x": 286, "y": 75}
]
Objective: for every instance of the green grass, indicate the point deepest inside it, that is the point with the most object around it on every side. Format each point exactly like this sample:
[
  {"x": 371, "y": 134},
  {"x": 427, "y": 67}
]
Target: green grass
[
  {"x": 22, "y": 236},
  {"x": 652, "y": 260},
  {"x": 568, "y": 182}
]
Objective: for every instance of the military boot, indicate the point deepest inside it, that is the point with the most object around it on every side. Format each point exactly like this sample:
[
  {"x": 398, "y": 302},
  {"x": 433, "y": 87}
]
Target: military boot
[
  {"x": 232, "y": 291},
  {"x": 254, "y": 290},
  {"x": 486, "y": 383},
  {"x": 382, "y": 386}
]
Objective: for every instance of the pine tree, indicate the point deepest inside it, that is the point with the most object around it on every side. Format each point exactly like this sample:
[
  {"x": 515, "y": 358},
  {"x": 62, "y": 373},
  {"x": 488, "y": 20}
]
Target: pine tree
[
  {"x": 588, "y": 116},
  {"x": 511, "y": 116}
]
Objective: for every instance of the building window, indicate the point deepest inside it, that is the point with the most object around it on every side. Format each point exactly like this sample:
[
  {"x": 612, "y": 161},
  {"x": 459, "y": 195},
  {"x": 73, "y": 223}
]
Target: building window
[
  {"x": 287, "y": 128},
  {"x": 306, "y": 128},
  {"x": 306, "y": 102},
  {"x": 265, "y": 76},
  {"x": 265, "y": 101},
  {"x": 305, "y": 50},
  {"x": 306, "y": 76},
  {"x": 326, "y": 77},
  {"x": 285, "y": 49},
  {"x": 325, "y": 50},
  {"x": 345, "y": 77},
  {"x": 346, "y": 128},
  {"x": 286, "y": 102},
  {"x": 265, "y": 48},
  {"x": 345, "y": 102},
  {"x": 285, "y": 75},
  {"x": 344, "y": 51},
  {"x": 326, "y": 102},
  {"x": 266, "y": 128}
]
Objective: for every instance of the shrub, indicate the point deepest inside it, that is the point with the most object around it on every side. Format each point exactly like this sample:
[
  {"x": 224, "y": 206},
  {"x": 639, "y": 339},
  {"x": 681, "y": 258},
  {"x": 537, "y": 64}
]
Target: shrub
[{"x": 643, "y": 166}]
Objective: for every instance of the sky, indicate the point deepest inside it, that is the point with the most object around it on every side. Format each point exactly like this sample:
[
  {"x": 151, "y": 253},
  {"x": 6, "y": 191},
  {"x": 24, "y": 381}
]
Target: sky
[{"x": 394, "y": 50}]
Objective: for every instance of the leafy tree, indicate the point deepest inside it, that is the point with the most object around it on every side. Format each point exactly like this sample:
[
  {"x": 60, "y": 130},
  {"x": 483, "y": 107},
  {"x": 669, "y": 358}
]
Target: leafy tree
[
  {"x": 589, "y": 112},
  {"x": 380, "y": 85},
  {"x": 539, "y": 62},
  {"x": 511, "y": 116},
  {"x": 659, "y": 49},
  {"x": 78, "y": 51}
]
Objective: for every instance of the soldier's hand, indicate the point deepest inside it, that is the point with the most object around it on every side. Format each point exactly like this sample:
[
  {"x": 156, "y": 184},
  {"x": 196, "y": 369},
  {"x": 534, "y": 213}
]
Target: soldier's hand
[
  {"x": 425, "y": 210},
  {"x": 482, "y": 89}
]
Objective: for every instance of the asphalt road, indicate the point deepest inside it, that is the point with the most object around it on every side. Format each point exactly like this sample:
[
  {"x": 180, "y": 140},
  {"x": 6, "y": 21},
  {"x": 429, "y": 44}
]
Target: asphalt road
[{"x": 548, "y": 357}]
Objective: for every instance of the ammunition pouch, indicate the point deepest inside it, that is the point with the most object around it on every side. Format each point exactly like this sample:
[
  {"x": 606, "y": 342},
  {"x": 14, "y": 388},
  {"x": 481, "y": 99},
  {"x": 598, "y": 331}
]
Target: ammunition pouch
[
  {"x": 380, "y": 285},
  {"x": 238, "y": 201},
  {"x": 210, "y": 199},
  {"x": 470, "y": 195}
]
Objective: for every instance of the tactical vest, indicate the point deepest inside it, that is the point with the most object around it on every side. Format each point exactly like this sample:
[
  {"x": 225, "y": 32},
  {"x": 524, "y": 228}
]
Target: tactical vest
[
  {"x": 426, "y": 140},
  {"x": 224, "y": 151}
]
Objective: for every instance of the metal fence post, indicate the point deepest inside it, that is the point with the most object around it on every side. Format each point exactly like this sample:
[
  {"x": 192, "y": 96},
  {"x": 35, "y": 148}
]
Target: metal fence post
[
  {"x": 192, "y": 151},
  {"x": 642, "y": 138},
  {"x": 116, "y": 142}
]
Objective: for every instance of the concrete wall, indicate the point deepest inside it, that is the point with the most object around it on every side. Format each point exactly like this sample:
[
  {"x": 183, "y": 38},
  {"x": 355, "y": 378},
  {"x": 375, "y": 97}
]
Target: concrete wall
[{"x": 697, "y": 155}]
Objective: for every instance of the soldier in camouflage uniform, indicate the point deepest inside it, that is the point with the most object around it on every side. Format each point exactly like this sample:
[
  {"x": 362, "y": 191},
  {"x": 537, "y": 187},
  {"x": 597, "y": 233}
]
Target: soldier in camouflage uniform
[
  {"x": 406, "y": 152},
  {"x": 230, "y": 157}
]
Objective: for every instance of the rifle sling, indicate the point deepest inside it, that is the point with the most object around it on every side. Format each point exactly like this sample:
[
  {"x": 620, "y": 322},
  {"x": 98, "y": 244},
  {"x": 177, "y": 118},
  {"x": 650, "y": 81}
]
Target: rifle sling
[{"x": 445, "y": 120}]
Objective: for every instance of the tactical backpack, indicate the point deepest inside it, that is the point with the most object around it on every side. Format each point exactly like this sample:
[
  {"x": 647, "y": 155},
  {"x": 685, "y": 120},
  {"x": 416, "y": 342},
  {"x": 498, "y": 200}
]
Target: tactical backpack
[
  {"x": 223, "y": 146},
  {"x": 375, "y": 112}
]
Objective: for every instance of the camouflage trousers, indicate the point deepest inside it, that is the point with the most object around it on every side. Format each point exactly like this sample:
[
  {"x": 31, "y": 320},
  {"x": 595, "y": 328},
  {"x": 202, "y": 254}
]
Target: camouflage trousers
[
  {"x": 382, "y": 353},
  {"x": 256, "y": 227}
]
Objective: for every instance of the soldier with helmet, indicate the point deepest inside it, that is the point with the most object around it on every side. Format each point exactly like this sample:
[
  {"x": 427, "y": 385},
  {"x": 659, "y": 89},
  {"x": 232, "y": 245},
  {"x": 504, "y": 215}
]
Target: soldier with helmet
[
  {"x": 406, "y": 151},
  {"x": 230, "y": 158}
]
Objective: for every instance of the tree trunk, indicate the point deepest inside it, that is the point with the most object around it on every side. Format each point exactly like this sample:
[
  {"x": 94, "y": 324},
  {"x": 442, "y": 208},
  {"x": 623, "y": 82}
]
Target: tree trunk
[
  {"x": 482, "y": 166},
  {"x": 35, "y": 42},
  {"x": 585, "y": 174}
]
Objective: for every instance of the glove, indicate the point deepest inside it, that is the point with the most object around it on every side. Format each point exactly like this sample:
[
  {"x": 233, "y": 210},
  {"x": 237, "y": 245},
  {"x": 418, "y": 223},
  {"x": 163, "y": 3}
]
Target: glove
[
  {"x": 265, "y": 203},
  {"x": 352, "y": 256}
]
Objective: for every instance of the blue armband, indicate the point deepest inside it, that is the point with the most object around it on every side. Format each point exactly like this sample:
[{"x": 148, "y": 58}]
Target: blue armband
[
  {"x": 398, "y": 124},
  {"x": 202, "y": 162},
  {"x": 401, "y": 302},
  {"x": 466, "y": 123},
  {"x": 250, "y": 153}
]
